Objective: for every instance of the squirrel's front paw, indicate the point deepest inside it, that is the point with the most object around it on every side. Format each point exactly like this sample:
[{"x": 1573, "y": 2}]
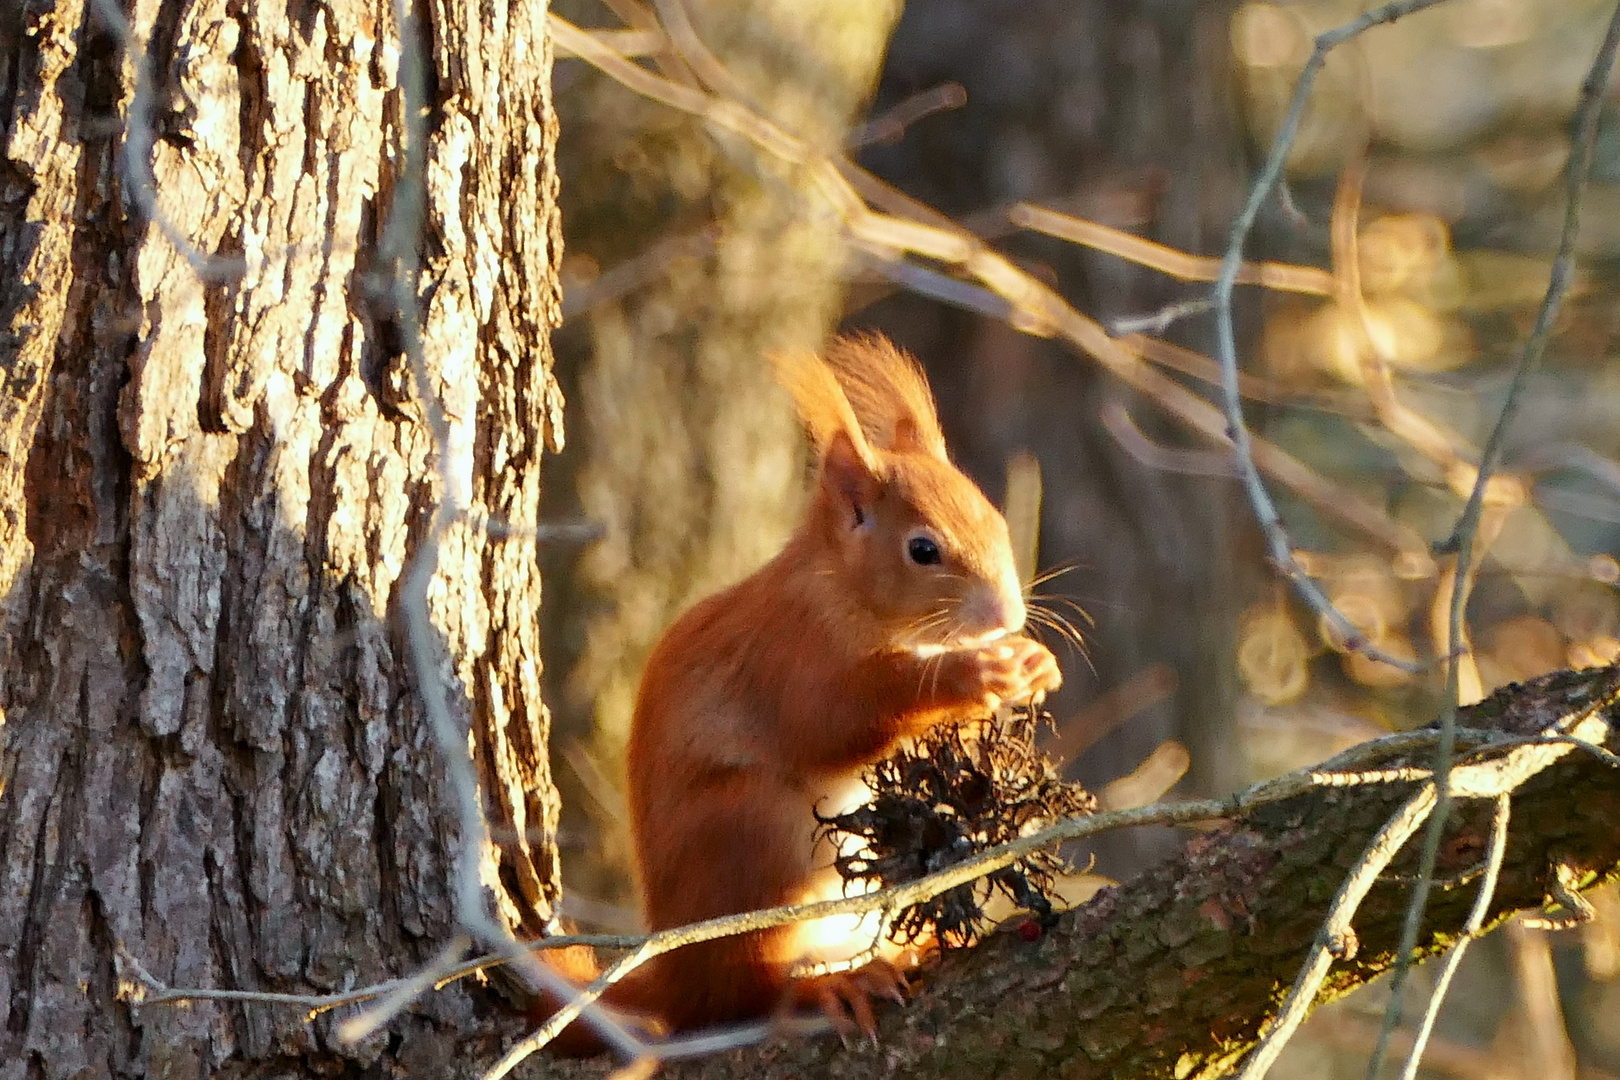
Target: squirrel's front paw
[{"x": 1014, "y": 670}]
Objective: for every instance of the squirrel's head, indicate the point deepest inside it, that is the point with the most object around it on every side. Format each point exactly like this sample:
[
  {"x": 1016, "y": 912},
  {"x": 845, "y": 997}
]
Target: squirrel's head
[{"x": 908, "y": 538}]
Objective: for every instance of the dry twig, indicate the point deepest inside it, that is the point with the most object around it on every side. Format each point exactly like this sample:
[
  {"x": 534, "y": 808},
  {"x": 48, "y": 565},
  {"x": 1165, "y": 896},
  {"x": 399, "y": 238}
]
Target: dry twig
[
  {"x": 1024, "y": 301},
  {"x": 1463, "y": 538},
  {"x": 1284, "y": 277},
  {"x": 1243, "y": 441},
  {"x": 1471, "y": 930},
  {"x": 399, "y": 254}
]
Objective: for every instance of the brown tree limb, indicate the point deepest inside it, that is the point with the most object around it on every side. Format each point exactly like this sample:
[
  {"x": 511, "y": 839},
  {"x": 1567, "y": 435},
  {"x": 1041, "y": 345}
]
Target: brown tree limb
[{"x": 1174, "y": 973}]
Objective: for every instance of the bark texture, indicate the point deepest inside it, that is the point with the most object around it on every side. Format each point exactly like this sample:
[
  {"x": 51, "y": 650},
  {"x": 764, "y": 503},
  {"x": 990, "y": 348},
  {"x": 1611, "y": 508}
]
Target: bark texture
[
  {"x": 683, "y": 449},
  {"x": 210, "y": 758}
]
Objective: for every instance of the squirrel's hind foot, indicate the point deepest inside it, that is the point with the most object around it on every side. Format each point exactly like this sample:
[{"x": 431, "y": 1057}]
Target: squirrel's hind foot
[{"x": 845, "y": 997}]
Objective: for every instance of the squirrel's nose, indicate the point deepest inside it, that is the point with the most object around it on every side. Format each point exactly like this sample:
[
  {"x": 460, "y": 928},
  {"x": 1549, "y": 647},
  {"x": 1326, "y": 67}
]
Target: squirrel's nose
[{"x": 994, "y": 606}]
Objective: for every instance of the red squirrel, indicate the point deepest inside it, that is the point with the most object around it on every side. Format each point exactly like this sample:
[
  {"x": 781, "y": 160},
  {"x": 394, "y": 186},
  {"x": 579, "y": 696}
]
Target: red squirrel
[{"x": 894, "y": 607}]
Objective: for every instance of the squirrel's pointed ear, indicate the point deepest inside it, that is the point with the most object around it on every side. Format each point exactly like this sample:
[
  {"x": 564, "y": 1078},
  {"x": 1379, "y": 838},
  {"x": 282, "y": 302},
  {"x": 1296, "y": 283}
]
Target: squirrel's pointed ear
[
  {"x": 889, "y": 395},
  {"x": 909, "y": 437},
  {"x": 850, "y": 478}
]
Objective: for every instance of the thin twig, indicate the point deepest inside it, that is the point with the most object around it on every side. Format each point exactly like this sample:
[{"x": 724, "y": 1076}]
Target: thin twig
[
  {"x": 891, "y": 125},
  {"x": 1265, "y": 509},
  {"x": 1336, "y": 935},
  {"x": 1471, "y": 929},
  {"x": 1562, "y": 890},
  {"x": 1609, "y": 759},
  {"x": 1031, "y": 305},
  {"x": 942, "y": 287},
  {"x": 1157, "y": 322},
  {"x": 1284, "y": 277},
  {"x": 1462, "y": 538},
  {"x": 1116, "y": 420},
  {"x": 724, "y": 114},
  {"x": 1412, "y": 427},
  {"x": 140, "y": 138},
  {"x": 633, "y": 273},
  {"x": 154, "y": 991},
  {"x": 398, "y": 249},
  {"x": 683, "y": 36},
  {"x": 1117, "y": 705},
  {"x": 402, "y": 991},
  {"x": 1605, "y": 470},
  {"x": 1454, "y": 579},
  {"x": 1285, "y": 200},
  {"x": 1200, "y": 367},
  {"x": 632, "y": 42}
]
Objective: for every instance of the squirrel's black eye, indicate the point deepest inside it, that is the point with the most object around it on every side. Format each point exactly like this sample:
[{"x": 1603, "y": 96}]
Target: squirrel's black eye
[{"x": 923, "y": 551}]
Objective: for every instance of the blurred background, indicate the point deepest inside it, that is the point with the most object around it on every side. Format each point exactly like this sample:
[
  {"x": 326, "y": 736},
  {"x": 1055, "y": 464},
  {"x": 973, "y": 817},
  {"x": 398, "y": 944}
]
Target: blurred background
[{"x": 689, "y": 258}]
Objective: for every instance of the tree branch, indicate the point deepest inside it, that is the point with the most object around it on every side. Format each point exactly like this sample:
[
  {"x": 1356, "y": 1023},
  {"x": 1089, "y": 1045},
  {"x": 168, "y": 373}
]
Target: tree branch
[{"x": 1174, "y": 973}]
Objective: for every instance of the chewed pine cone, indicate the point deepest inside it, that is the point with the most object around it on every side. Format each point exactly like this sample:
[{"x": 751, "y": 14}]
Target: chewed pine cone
[{"x": 960, "y": 789}]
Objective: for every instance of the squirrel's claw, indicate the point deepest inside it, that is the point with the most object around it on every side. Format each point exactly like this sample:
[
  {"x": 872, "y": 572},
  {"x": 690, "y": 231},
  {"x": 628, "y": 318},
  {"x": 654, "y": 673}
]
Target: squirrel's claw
[{"x": 845, "y": 997}]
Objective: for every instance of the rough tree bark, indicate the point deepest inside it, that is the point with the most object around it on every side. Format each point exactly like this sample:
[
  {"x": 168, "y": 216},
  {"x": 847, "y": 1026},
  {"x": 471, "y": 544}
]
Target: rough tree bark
[{"x": 210, "y": 758}]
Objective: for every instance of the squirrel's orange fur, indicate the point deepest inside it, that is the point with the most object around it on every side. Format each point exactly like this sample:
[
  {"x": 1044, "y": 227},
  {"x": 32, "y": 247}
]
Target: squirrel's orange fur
[{"x": 771, "y": 697}]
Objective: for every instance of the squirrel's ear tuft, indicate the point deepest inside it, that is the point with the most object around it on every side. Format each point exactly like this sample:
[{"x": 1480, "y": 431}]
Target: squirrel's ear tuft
[
  {"x": 888, "y": 393},
  {"x": 822, "y": 406}
]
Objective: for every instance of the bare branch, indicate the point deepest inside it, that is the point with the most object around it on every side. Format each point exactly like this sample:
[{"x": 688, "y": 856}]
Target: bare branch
[
  {"x": 1284, "y": 277},
  {"x": 1337, "y": 936},
  {"x": 1471, "y": 930},
  {"x": 1030, "y": 305},
  {"x": 1462, "y": 540},
  {"x": 1265, "y": 509}
]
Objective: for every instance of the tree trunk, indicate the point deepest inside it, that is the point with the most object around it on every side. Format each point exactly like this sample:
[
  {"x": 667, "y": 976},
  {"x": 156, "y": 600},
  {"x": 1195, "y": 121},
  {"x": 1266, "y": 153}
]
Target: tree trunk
[
  {"x": 685, "y": 452},
  {"x": 211, "y": 760}
]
